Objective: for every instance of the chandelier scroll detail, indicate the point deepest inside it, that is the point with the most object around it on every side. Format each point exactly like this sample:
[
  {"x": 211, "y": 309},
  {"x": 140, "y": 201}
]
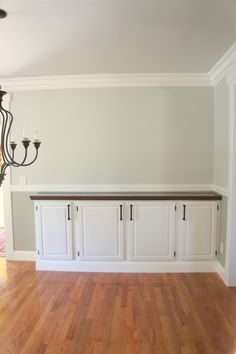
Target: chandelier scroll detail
[{"x": 8, "y": 145}]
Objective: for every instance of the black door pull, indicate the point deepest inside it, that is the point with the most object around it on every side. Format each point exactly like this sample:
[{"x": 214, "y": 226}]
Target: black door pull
[
  {"x": 184, "y": 212},
  {"x": 131, "y": 212},
  {"x": 68, "y": 212},
  {"x": 121, "y": 212}
]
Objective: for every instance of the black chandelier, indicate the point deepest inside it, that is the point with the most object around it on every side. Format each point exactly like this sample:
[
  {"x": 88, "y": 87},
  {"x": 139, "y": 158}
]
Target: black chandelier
[{"x": 8, "y": 145}]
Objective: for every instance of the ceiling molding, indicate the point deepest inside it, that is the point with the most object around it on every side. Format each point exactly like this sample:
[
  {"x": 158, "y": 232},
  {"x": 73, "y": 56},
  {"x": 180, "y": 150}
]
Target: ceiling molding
[
  {"x": 224, "y": 66},
  {"x": 106, "y": 80}
]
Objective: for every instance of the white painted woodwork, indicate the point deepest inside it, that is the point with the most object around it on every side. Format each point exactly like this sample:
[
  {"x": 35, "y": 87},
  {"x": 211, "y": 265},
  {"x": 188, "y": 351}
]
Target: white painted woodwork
[
  {"x": 148, "y": 241},
  {"x": 152, "y": 230},
  {"x": 54, "y": 234},
  {"x": 198, "y": 231},
  {"x": 129, "y": 266},
  {"x": 106, "y": 80},
  {"x": 100, "y": 231}
]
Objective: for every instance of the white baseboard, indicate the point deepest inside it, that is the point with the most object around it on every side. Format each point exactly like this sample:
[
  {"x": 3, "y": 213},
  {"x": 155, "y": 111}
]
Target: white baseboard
[
  {"x": 221, "y": 271},
  {"x": 127, "y": 267},
  {"x": 23, "y": 256}
]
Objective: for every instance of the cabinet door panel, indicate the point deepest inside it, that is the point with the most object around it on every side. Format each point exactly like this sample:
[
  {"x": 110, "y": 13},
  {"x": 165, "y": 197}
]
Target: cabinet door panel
[
  {"x": 152, "y": 231},
  {"x": 55, "y": 236},
  {"x": 199, "y": 231},
  {"x": 101, "y": 232}
]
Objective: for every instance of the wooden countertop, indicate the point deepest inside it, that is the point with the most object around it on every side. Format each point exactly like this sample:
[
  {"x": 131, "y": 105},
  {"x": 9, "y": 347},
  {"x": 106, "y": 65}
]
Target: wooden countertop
[{"x": 129, "y": 196}]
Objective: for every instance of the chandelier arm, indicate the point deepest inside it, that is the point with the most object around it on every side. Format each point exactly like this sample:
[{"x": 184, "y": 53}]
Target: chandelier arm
[
  {"x": 3, "y": 167},
  {"x": 3, "y": 135},
  {"x": 10, "y": 159},
  {"x": 5, "y": 128},
  {"x": 5, "y": 153},
  {"x": 25, "y": 157},
  {"x": 30, "y": 163}
]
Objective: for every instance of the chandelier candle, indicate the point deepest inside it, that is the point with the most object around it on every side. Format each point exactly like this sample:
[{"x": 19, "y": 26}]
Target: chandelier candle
[{"x": 7, "y": 146}]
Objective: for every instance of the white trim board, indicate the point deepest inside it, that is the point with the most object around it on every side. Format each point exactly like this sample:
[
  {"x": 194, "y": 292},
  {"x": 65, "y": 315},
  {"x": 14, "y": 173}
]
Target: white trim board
[
  {"x": 7, "y": 201},
  {"x": 106, "y": 80},
  {"x": 221, "y": 271},
  {"x": 124, "y": 267},
  {"x": 101, "y": 188},
  {"x": 224, "y": 65},
  {"x": 220, "y": 190},
  {"x": 230, "y": 236},
  {"x": 24, "y": 256}
]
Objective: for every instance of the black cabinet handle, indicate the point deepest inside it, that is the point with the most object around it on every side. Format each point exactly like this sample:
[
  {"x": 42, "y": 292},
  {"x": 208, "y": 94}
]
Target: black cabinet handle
[
  {"x": 131, "y": 212},
  {"x": 68, "y": 212},
  {"x": 121, "y": 212},
  {"x": 184, "y": 212}
]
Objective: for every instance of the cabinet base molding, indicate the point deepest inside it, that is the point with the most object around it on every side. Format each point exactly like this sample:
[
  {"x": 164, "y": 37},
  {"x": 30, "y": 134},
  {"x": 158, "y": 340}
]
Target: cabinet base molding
[{"x": 128, "y": 267}]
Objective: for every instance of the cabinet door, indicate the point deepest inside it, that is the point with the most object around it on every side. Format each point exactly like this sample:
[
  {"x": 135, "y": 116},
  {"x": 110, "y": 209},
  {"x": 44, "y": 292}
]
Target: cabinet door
[
  {"x": 198, "y": 230},
  {"x": 100, "y": 227},
  {"x": 151, "y": 230},
  {"x": 54, "y": 234}
]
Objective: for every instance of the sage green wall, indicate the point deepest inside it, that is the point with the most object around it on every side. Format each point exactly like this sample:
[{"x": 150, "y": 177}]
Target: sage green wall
[
  {"x": 112, "y": 136},
  {"x": 23, "y": 222},
  {"x": 118, "y": 135},
  {"x": 221, "y": 134}
]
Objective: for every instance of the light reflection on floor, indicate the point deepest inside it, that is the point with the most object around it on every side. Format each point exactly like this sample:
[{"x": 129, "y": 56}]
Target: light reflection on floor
[{"x": 3, "y": 269}]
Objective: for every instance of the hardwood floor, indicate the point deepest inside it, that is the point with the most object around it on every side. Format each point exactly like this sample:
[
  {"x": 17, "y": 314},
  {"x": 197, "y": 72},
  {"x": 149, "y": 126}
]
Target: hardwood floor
[{"x": 98, "y": 313}]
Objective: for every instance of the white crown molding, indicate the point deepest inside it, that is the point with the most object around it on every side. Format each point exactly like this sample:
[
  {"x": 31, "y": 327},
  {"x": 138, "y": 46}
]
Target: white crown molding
[
  {"x": 53, "y": 188},
  {"x": 224, "y": 66},
  {"x": 106, "y": 80}
]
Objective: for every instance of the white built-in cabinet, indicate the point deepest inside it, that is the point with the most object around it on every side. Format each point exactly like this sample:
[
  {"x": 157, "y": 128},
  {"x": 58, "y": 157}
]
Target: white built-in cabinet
[
  {"x": 100, "y": 230},
  {"x": 54, "y": 230},
  {"x": 126, "y": 231},
  {"x": 198, "y": 230},
  {"x": 151, "y": 231}
]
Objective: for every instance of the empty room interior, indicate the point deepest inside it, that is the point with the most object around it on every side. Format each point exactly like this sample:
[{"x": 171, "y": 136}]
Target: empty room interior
[{"x": 118, "y": 177}]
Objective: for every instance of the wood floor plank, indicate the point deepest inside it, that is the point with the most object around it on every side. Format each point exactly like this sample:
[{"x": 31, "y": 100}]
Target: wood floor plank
[{"x": 105, "y": 313}]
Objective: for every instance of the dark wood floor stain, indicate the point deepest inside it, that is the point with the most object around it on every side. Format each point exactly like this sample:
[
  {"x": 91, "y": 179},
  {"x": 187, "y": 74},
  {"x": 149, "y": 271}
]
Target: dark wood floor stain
[{"x": 107, "y": 313}]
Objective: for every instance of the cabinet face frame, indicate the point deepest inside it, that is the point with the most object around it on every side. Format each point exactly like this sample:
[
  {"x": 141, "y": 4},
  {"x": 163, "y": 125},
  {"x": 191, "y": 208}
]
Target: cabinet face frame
[
  {"x": 184, "y": 230},
  {"x": 80, "y": 230},
  {"x": 39, "y": 206},
  {"x": 133, "y": 211}
]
